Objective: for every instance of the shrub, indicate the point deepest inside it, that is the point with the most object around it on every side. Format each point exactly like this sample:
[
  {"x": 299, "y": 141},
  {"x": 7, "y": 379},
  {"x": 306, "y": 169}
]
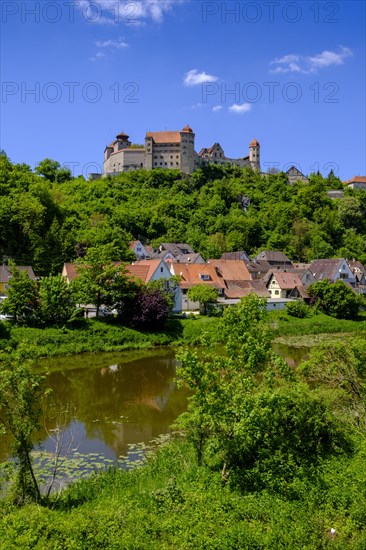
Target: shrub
[{"x": 297, "y": 309}]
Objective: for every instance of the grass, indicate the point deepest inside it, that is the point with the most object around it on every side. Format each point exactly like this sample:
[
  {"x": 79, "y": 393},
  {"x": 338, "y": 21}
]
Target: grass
[
  {"x": 94, "y": 336},
  {"x": 173, "y": 503},
  {"x": 314, "y": 329}
]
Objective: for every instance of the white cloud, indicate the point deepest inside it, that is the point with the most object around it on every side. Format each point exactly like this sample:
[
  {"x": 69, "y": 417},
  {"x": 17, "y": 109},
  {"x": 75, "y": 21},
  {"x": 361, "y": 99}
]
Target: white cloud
[
  {"x": 194, "y": 78},
  {"x": 217, "y": 108},
  {"x": 240, "y": 109},
  {"x": 128, "y": 12},
  {"x": 98, "y": 55},
  {"x": 112, "y": 44},
  {"x": 307, "y": 64}
]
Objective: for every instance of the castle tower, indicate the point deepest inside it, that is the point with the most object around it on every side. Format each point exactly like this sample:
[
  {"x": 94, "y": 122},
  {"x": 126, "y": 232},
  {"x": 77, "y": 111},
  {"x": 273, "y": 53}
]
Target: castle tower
[
  {"x": 122, "y": 141},
  {"x": 254, "y": 154},
  {"x": 187, "y": 150}
]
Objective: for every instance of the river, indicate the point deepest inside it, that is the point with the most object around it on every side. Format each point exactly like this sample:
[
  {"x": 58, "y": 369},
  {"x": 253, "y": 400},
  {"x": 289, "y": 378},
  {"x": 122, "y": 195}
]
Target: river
[{"x": 106, "y": 403}]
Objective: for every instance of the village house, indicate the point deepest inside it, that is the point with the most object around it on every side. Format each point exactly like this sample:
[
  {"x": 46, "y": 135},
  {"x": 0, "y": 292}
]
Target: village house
[
  {"x": 275, "y": 258},
  {"x": 231, "y": 278},
  {"x": 333, "y": 270},
  {"x": 357, "y": 182},
  {"x": 282, "y": 284},
  {"x": 177, "y": 252},
  {"x": 359, "y": 271},
  {"x": 139, "y": 250},
  {"x": 242, "y": 255},
  {"x": 5, "y": 276},
  {"x": 144, "y": 270},
  {"x": 293, "y": 175}
]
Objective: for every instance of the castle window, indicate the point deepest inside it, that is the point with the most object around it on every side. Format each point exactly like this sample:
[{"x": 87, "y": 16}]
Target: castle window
[{"x": 177, "y": 163}]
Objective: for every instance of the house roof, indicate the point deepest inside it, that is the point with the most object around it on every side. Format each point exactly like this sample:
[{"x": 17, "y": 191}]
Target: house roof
[
  {"x": 356, "y": 266},
  {"x": 150, "y": 266},
  {"x": 235, "y": 256},
  {"x": 139, "y": 272},
  {"x": 259, "y": 267},
  {"x": 164, "y": 137},
  {"x": 231, "y": 270},
  {"x": 191, "y": 274},
  {"x": 274, "y": 257},
  {"x": 325, "y": 269},
  {"x": 177, "y": 248},
  {"x": 356, "y": 179},
  {"x": 240, "y": 289},
  {"x": 5, "y": 273},
  {"x": 70, "y": 271},
  {"x": 286, "y": 280},
  {"x": 188, "y": 258}
]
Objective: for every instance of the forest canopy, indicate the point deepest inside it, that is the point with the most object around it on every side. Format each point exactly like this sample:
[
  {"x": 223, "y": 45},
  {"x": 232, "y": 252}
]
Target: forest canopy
[{"x": 45, "y": 222}]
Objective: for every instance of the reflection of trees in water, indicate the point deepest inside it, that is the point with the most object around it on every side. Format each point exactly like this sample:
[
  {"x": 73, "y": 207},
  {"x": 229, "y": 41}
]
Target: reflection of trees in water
[{"x": 117, "y": 403}]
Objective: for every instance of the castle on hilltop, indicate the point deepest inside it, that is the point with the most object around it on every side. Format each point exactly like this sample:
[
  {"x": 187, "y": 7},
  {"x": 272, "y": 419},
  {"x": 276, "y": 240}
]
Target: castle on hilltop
[{"x": 170, "y": 150}]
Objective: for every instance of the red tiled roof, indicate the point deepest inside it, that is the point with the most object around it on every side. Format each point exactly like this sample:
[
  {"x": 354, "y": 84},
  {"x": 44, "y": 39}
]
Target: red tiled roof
[
  {"x": 234, "y": 270},
  {"x": 139, "y": 272},
  {"x": 356, "y": 179},
  {"x": 164, "y": 137},
  {"x": 191, "y": 275},
  {"x": 150, "y": 265},
  {"x": 286, "y": 280}
]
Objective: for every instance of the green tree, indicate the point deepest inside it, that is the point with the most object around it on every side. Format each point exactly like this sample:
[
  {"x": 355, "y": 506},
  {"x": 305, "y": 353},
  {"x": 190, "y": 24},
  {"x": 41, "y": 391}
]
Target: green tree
[
  {"x": 336, "y": 299},
  {"x": 100, "y": 281},
  {"x": 57, "y": 301},
  {"x": 52, "y": 171},
  {"x": 23, "y": 296},
  {"x": 203, "y": 294},
  {"x": 248, "y": 414},
  {"x": 21, "y": 391}
]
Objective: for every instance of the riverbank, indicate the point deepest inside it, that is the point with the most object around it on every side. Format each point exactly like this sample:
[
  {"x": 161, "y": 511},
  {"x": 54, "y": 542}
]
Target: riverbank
[
  {"x": 94, "y": 336},
  {"x": 173, "y": 503}
]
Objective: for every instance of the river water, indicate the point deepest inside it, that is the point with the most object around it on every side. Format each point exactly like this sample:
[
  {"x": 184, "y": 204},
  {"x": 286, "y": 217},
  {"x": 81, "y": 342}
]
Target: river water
[{"x": 105, "y": 403}]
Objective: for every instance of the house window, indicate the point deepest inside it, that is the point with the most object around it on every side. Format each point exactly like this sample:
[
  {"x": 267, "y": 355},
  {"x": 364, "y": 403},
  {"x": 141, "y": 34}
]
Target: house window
[
  {"x": 161, "y": 270},
  {"x": 204, "y": 277},
  {"x": 277, "y": 292}
]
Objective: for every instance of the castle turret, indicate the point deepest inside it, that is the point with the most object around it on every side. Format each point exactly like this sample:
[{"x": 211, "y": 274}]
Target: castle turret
[
  {"x": 187, "y": 150},
  {"x": 122, "y": 141},
  {"x": 254, "y": 154}
]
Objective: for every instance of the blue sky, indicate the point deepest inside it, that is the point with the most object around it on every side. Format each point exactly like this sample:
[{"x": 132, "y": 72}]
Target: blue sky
[{"x": 292, "y": 74}]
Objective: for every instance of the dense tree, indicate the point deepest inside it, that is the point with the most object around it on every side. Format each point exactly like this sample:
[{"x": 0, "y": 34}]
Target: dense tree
[
  {"x": 248, "y": 414},
  {"x": 204, "y": 295},
  {"x": 56, "y": 300},
  {"x": 99, "y": 277},
  {"x": 148, "y": 309},
  {"x": 21, "y": 391},
  {"x": 22, "y": 296},
  {"x": 336, "y": 299},
  {"x": 52, "y": 171},
  {"x": 44, "y": 221}
]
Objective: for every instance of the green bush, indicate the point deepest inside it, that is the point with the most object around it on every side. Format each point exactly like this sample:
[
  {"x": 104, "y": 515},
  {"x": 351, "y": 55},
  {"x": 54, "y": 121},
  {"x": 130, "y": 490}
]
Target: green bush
[{"x": 297, "y": 309}]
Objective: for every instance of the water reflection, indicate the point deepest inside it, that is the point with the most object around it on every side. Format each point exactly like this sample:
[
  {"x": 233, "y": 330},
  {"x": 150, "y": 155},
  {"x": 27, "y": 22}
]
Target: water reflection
[{"x": 107, "y": 402}]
